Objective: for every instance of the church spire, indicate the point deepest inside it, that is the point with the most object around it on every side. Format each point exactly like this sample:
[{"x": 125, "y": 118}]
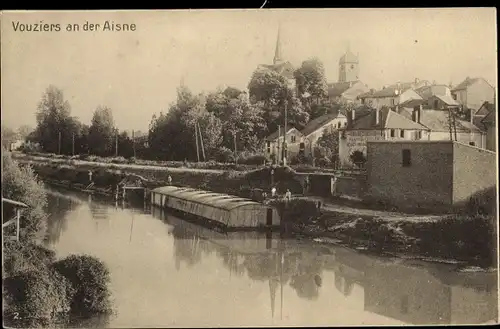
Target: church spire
[{"x": 277, "y": 53}]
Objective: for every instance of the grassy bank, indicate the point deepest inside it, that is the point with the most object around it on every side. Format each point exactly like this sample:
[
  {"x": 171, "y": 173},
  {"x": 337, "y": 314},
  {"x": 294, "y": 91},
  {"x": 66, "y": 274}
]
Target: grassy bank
[
  {"x": 40, "y": 290},
  {"x": 244, "y": 164},
  {"x": 466, "y": 238}
]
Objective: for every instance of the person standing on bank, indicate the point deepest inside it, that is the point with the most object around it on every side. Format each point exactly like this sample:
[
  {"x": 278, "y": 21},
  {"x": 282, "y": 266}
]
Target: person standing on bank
[
  {"x": 288, "y": 195},
  {"x": 169, "y": 180},
  {"x": 273, "y": 192},
  {"x": 333, "y": 186}
]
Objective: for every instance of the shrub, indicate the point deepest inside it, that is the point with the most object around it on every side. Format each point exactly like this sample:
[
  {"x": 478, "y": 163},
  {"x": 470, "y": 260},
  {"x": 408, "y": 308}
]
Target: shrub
[
  {"x": 36, "y": 298},
  {"x": 224, "y": 155},
  {"x": 19, "y": 257},
  {"x": 89, "y": 278},
  {"x": 323, "y": 162},
  {"x": 358, "y": 158},
  {"x": 251, "y": 158},
  {"x": 21, "y": 184}
]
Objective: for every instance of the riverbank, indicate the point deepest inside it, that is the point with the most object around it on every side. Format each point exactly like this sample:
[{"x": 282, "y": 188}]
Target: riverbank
[
  {"x": 40, "y": 290},
  {"x": 465, "y": 238}
]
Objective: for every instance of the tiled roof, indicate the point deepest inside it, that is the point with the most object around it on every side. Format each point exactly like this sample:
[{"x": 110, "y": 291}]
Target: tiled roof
[
  {"x": 338, "y": 88},
  {"x": 274, "y": 135},
  {"x": 465, "y": 84},
  {"x": 437, "y": 120},
  {"x": 489, "y": 118},
  {"x": 286, "y": 69},
  {"x": 365, "y": 118},
  {"x": 486, "y": 108},
  {"x": 447, "y": 100},
  {"x": 319, "y": 122},
  {"x": 427, "y": 91}
]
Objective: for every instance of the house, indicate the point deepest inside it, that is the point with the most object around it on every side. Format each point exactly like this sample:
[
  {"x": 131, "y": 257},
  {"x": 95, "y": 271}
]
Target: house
[
  {"x": 489, "y": 124},
  {"x": 439, "y": 127},
  {"x": 16, "y": 145},
  {"x": 274, "y": 142},
  {"x": 484, "y": 110},
  {"x": 436, "y": 97},
  {"x": 427, "y": 173},
  {"x": 348, "y": 67},
  {"x": 346, "y": 92},
  {"x": 473, "y": 92},
  {"x": 316, "y": 127},
  {"x": 367, "y": 124},
  {"x": 392, "y": 95}
]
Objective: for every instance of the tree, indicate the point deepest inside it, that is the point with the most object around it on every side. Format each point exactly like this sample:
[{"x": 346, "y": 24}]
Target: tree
[
  {"x": 8, "y": 137},
  {"x": 24, "y": 131},
  {"x": 239, "y": 119},
  {"x": 358, "y": 158},
  {"x": 328, "y": 145},
  {"x": 172, "y": 135},
  {"x": 54, "y": 123},
  {"x": 271, "y": 92},
  {"x": 311, "y": 81},
  {"x": 102, "y": 132}
]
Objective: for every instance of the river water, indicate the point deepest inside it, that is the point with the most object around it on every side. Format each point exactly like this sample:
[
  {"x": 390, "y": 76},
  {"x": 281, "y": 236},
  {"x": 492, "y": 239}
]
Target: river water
[{"x": 168, "y": 272}]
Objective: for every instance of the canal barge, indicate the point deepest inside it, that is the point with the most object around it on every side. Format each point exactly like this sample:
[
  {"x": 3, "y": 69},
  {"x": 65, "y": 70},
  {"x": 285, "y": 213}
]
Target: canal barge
[{"x": 216, "y": 209}]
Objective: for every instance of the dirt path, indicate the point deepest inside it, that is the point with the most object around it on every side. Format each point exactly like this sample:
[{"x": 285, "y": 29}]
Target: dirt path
[
  {"x": 388, "y": 215},
  {"x": 114, "y": 165}
]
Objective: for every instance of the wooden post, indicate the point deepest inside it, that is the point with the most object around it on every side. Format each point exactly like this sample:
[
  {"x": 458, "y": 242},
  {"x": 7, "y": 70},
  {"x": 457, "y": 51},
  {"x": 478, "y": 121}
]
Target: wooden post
[
  {"x": 201, "y": 142},
  {"x": 196, "y": 138},
  {"x": 133, "y": 141},
  {"x": 73, "y": 148},
  {"x": 18, "y": 224},
  {"x": 278, "y": 155},
  {"x": 116, "y": 142},
  {"x": 59, "y": 145},
  {"x": 235, "y": 149}
]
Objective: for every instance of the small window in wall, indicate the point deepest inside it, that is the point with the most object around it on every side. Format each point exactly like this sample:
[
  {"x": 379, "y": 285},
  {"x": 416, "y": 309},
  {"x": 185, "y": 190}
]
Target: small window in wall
[
  {"x": 293, "y": 138},
  {"x": 393, "y": 133},
  {"x": 393, "y": 102},
  {"x": 436, "y": 104},
  {"x": 338, "y": 125},
  {"x": 406, "y": 158},
  {"x": 302, "y": 146},
  {"x": 472, "y": 144},
  {"x": 345, "y": 123},
  {"x": 402, "y": 133},
  {"x": 419, "y": 134}
]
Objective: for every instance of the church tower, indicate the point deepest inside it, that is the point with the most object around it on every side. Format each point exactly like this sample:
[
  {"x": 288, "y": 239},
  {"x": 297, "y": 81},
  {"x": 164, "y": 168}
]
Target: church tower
[
  {"x": 278, "y": 59},
  {"x": 348, "y": 67}
]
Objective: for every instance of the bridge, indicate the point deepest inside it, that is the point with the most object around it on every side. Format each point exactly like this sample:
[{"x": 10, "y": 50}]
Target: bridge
[{"x": 18, "y": 207}]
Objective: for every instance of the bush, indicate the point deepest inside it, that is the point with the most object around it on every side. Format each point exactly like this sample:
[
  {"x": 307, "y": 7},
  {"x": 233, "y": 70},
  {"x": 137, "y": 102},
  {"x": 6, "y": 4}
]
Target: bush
[
  {"x": 323, "y": 162},
  {"x": 25, "y": 257},
  {"x": 482, "y": 203},
  {"x": 89, "y": 278},
  {"x": 224, "y": 155},
  {"x": 21, "y": 184},
  {"x": 251, "y": 158},
  {"x": 36, "y": 298}
]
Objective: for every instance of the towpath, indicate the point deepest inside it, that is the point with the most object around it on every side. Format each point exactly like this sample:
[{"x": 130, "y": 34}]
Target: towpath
[
  {"x": 114, "y": 165},
  {"x": 387, "y": 215}
]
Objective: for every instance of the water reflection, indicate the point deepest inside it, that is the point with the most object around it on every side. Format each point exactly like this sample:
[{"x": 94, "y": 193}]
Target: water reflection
[{"x": 168, "y": 272}]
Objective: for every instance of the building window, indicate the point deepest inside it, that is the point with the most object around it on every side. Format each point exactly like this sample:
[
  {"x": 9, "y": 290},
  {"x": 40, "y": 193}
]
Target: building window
[
  {"x": 338, "y": 125},
  {"x": 302, "y": 146},
  {"x": 393, "y": 133},
  {"x": 436, "y": 104},
  {"x": 454, "y": 96},
  {"x": 293, "y": 138},
  {"x": 472, "y": 144},
  {"x": 393, "y": 102},
  {"x": 402, "y": 133},
  {"x": 345, "y": 123},
  {"x": 406, "y": 158},
  {"x": 268, "y": 147},
  {"x": 419, "y": 134}
]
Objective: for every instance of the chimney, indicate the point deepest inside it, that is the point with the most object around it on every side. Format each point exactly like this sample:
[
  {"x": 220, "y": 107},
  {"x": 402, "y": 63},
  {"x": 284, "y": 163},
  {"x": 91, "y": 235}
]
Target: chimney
[
  {"x": 419, "y": 113},
  {"x": 471, "y": 111},
  {"x": 377, "y": 117}
]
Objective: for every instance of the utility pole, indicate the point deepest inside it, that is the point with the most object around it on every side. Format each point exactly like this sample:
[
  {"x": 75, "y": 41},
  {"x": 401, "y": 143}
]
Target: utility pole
[
  {"x": 116, "y": 142},
  {"x": 133, "y": 141},
  {"x": 201, "y": 142},
  {"x": 196, "y": 138},
  {"x": 59, "y": 144},
  {"x": 73, "y": 148},
  {"x": 235, "y": 150},
  {"x": 278, "y": 155},
  {"x": 284, "y": 132}
]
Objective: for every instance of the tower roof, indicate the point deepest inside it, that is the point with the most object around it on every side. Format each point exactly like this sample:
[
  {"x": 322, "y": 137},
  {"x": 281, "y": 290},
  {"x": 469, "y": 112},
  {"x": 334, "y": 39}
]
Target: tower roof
[
  {"x": 348, "y": 57},
  {"x": 277, "y": 53}
]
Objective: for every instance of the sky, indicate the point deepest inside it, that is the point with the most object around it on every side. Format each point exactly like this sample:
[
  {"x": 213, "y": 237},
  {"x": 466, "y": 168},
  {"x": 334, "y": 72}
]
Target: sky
[{"x": 136, "y": 73}]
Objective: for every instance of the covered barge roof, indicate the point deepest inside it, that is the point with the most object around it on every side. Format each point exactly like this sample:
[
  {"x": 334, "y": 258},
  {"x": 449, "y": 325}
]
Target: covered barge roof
[{"x": 217, "y": 200}]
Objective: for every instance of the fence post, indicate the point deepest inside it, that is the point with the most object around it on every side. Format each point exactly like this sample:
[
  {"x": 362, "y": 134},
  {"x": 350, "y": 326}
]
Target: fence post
[{"x": 18, "y": 219}]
